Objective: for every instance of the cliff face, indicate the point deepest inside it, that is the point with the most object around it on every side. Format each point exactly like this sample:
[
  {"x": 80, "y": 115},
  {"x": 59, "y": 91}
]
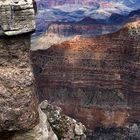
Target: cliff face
[{"x": 95, "y": 80}]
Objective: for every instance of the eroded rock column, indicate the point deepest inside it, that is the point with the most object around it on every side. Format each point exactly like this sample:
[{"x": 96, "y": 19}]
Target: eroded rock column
[{"x": 18, "y": 102}]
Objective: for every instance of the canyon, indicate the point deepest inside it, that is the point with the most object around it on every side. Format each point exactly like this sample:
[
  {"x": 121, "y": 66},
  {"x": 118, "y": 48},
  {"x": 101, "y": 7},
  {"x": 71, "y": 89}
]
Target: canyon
[
  {"x": 89, "y": 65},
  {"x": 93, "y": 79},
  {"x": 21, "y": 115},
  {"x": 74, "y": 74}
]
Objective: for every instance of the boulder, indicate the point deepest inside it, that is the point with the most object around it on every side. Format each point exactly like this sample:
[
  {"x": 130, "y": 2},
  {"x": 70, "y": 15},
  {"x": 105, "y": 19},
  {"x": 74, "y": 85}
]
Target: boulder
[{"x": 17, "y": 17}]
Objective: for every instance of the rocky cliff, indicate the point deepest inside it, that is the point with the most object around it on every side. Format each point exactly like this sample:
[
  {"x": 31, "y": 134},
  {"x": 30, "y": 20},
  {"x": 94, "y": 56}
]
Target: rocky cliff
[
  {"x": 20, "y": 118},
  {"x": 95, "y": 80}
]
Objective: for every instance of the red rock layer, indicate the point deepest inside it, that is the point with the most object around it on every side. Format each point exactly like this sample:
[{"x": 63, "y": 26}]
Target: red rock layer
[{"x": 95, "y": 80}]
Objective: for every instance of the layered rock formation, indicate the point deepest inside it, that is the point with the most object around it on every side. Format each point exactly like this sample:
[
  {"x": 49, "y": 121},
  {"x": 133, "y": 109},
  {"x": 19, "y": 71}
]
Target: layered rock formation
[
  {"x": 57, "y": 33},
  {"x": 51, "y": 120},
  {"x": 95, "y": 80},
  {"x": 42, "y": 131}
]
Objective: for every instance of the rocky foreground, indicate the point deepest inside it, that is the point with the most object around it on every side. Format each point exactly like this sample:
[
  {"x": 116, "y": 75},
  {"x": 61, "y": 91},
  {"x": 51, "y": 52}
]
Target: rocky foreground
[{"x": 53, "y": 125}]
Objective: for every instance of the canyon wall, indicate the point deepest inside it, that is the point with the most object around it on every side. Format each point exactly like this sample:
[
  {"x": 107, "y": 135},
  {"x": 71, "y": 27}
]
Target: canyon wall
[{"x": 95, "y": 80}]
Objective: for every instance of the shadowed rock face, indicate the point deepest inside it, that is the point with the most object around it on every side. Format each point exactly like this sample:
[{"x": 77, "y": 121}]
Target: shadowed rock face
[
  {"x": 18, "y": 103},
  {"x": 95, "y": 80}
]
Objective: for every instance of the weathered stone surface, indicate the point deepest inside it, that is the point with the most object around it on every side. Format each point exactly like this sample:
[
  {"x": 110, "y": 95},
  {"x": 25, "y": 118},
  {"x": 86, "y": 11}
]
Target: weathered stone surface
[
  {"x": 18, "y": 102},
  {"x": 42, "y": 131},
  {"x": 65, "y": 127},
  {"x": 95, "y": 80},
  {"x": 17, "y": 17},
  {"x": 53, "y": 125}
]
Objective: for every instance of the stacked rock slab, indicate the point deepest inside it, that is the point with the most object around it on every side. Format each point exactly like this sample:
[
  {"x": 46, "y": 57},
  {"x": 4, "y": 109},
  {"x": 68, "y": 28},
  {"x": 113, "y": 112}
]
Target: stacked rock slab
[{"x": 18, "y": 103}]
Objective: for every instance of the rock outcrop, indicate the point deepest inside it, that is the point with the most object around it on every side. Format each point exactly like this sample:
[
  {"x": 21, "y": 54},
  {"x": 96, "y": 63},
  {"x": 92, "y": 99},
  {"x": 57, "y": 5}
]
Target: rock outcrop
[
  {"x": 18, "y": 102},
  {"x": 95, "y": 80},
  {"x": 42, "y": 131},
  {"x": 64, "y": 127},
  {"x": 17, "y": 17}
]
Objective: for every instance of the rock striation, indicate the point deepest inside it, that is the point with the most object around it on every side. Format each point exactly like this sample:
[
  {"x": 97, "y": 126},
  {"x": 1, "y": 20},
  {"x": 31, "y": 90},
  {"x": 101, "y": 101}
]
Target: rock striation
[
  {"x": 95, "y": 80},
  {"x": 84, "y": 29}
]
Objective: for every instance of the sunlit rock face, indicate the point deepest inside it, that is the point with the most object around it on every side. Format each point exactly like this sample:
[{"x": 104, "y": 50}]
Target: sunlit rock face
[{"x": 94, "y": 79}]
